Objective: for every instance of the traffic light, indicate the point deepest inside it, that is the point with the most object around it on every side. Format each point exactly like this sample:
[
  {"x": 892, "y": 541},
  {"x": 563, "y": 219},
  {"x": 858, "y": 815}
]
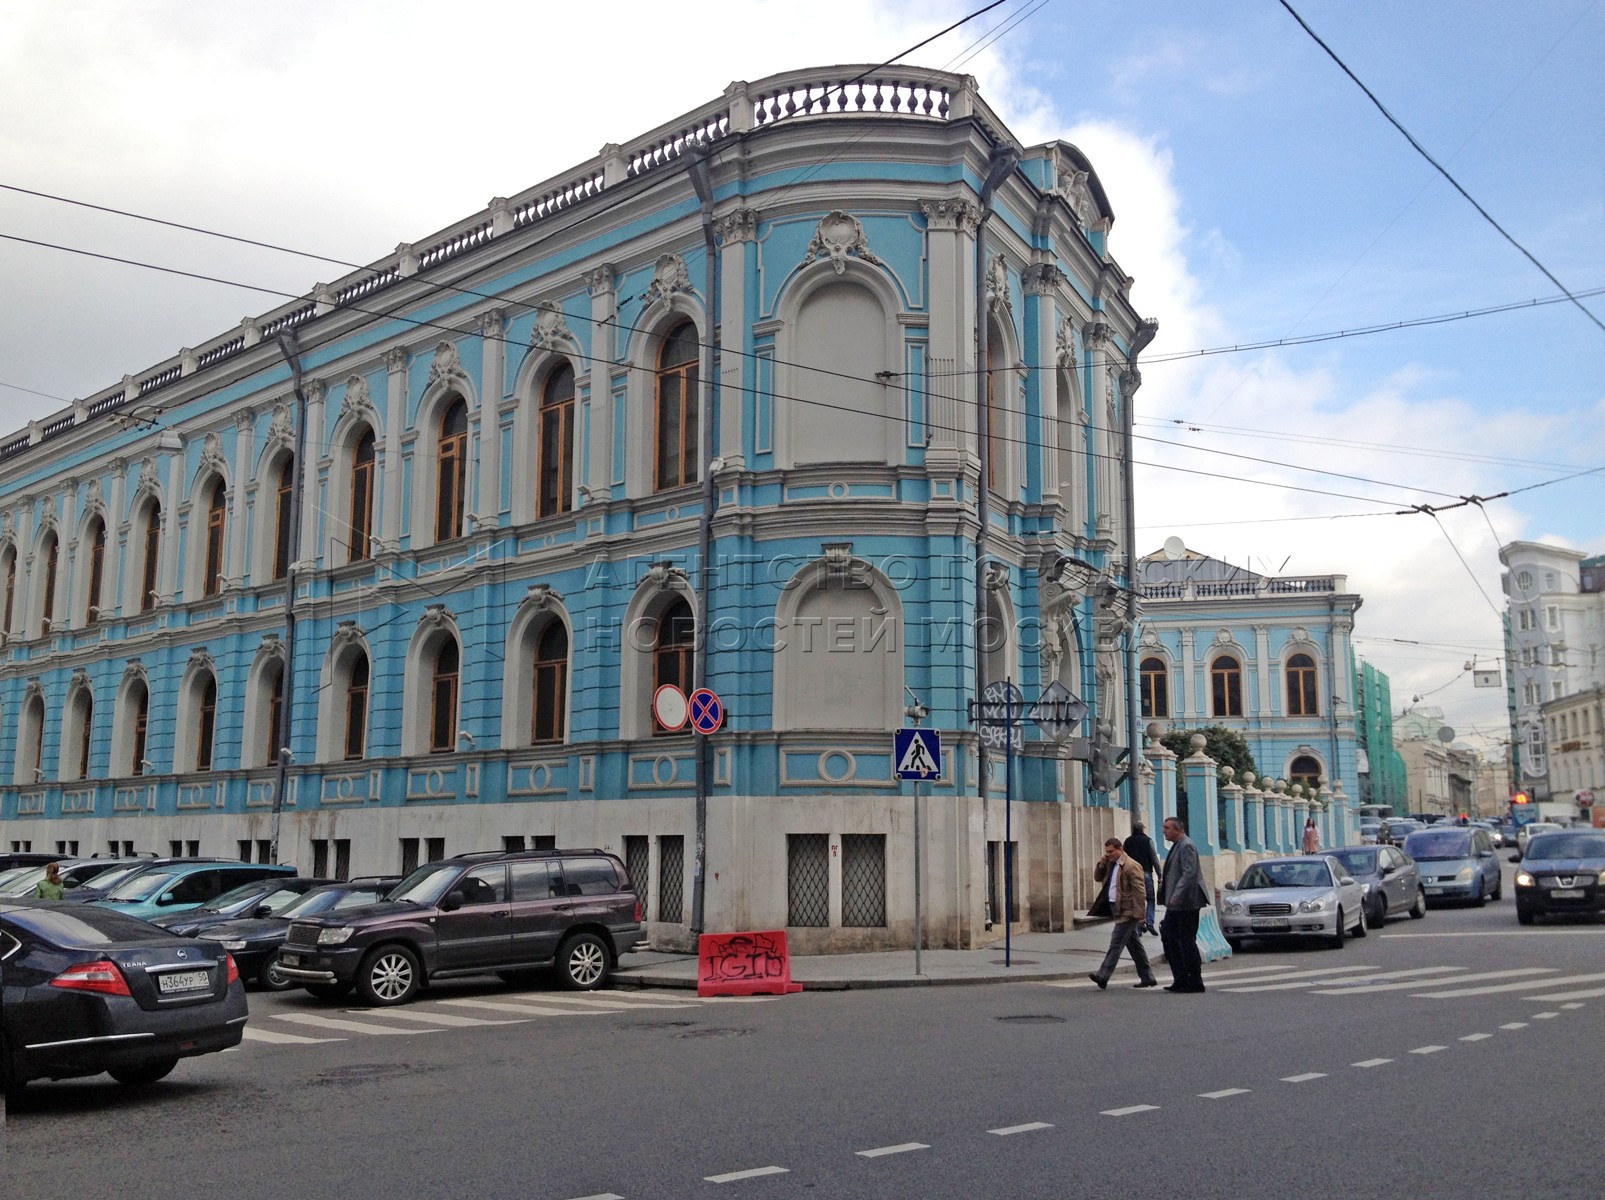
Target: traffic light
[{"x": 1521, "y": 798}]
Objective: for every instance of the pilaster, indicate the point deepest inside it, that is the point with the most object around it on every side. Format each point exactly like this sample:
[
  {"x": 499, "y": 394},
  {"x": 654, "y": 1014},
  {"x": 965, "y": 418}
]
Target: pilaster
[
  {"x": 395, "y": 421},
  {"x": 315, "y": 436},
  {"x": 493, "y": 362},
  {"x": 244, "y": 450}
]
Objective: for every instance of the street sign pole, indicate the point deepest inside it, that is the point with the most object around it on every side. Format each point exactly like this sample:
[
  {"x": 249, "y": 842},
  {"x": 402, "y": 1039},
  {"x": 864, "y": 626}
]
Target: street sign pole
[
  {"x": 911, "y": 761},
  {"x": 1008, "y": 827}
]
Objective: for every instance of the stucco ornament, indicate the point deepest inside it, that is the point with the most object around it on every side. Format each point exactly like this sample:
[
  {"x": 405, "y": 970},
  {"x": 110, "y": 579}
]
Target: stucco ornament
[
  {"x": 49, "y": 517},
  {"x": 837, "y": 237},
  {"x": 134, "y": 671},
  {"x": 8, "y": 526},
  {"x": 212, "y": 453},
  {"x": 998, "y": 300},
  {"x": 80, "y": 679},
  {"x": 1065, "y": 343},
  {"x": 1077, "y": 193},
  {"x": 435, "y": 618},
  {"x": 200, "y": 659},
  {"x": 345, "y": 635},
  {"x": 542, "y": 597},
  {"x": 282, "y": 427},
  {"x": 668, "y": 278},
  {"x": 34, "y": 691},
  {"x": 1150, "y": 638},
  {"x": 1223, "y": 637},
  {"x": 448, "y": 364},
  {"x": 357, "y": 402},
  {"x": 951, "y": 215},
  {"x": 551, "y": 327},
  {"x": 94, "y": 499},
  {"x": 269, "y": 648}
]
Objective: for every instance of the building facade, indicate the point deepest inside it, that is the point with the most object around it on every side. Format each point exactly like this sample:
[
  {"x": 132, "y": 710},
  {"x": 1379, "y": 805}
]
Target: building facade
[
  {"x": 708, "y": 409},
  {"x": 1574, "y": 728},
  {"x": 1379, "y": 765},
  {"x": 1268, "y": 656}
]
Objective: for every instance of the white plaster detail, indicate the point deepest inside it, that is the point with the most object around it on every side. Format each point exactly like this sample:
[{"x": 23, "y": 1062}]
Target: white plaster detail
[{"x": 839, "y": 235}]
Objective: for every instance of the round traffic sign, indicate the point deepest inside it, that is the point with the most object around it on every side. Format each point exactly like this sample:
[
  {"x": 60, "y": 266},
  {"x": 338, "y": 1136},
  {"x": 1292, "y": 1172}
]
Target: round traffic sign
[
  {"x": 669, "y": 707},
  {"x": 707, "y": 711}
]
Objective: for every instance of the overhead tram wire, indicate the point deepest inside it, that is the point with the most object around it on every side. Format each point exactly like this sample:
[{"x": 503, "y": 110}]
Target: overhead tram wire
[{"x": 1437, "y": 166}]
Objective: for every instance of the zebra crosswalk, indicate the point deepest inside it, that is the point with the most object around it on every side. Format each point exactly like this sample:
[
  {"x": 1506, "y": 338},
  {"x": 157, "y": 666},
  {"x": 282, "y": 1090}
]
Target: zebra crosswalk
[
  {"x": 304, "y": 1028},
  {"x": 1426, "y": 983}
]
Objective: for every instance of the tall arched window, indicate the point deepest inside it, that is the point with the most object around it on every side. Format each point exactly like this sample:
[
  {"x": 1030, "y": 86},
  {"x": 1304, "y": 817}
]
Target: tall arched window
[
  {"x": 673, "y": 647},
  {"x": 151, "y": 551},
  {"x": 206, "y": 723},
  {"x": 48, "y": 608},
  {"x": 31, "y": 742},
  {"x": 139, "y": 702},
  {"x": 1305, "y": 769},
  {"x": 216, "y": 515},
  {"x": 281, "y": 518},
  {"x": 1155, "y": 688},
  {"x": 9, "y": 558},
  {"x": 362, "y": 480},
  {"x": 356, "y": 731},
  {"x": 556, "y": 455},
  {"x": 551, "y": 683},
  {"x": 676, "y": 407},
  {"x": 275, "y": 736},
  {"x": 1226, "y": 687},
  {"x": 451, "y": 471},
  {"x": 83, "y": 720},
  {"x": 443, "y": 699},
  {"x": 97, "y": 571},
  {"x": 1301, "y": 698}
]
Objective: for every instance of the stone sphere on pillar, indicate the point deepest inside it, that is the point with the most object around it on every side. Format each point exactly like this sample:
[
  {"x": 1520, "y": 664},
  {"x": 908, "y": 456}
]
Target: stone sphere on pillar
[
  {"x": 1248, "y": 778},
  {"x": 1198, "y": 741}
]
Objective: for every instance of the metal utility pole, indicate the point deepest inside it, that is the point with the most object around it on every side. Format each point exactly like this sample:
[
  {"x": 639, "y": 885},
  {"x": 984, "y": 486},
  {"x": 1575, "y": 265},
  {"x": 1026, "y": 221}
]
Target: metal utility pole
[
  {"x": 290, "y": 348},
  {"x": 1146, "y": 332}
]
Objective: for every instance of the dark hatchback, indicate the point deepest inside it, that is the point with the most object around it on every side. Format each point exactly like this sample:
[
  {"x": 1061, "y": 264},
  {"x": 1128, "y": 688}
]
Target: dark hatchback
[
  {"x": 273, "y": 894},
  {"x": 1391, "y": 881},
  {"x": 254, "y": 941},
  {"x": 85, "y": 990},
  {"x": 1562, "y": 874},
  {"x": 512, "y": 913}
]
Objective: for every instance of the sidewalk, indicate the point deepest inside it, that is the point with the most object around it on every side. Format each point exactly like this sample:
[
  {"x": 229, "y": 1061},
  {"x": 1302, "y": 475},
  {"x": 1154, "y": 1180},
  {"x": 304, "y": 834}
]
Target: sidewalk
[{"x": 1036, "y": 956}]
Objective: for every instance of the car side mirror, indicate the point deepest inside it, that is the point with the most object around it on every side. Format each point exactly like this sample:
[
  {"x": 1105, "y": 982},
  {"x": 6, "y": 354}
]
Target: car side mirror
[
  {"x": 451, "y": 902},
  {"x": 263, "y": 910},
  {"x": 1485, "y": 854},
  {"x": 1345, "y": 880},
  {"x": 71, "y": 883},
  {"x": 165, "y": 898}
]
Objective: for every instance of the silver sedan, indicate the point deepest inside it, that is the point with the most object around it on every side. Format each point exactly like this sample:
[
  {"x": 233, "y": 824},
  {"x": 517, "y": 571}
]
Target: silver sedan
[{"x": 1310, "y": 895}]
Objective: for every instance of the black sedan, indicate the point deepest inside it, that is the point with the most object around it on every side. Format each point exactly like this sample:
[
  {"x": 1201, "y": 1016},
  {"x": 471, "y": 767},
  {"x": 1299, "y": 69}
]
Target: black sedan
[
  {"x": 85, "y": 990},
  {"x": 254, "y": 942},
  {"x": 1562, "y": 874},
  {"x": 1391, "y": 880},
  {"x": 259, "y": 898}
]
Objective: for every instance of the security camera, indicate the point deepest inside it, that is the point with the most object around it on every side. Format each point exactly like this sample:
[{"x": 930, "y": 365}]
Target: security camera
[
  {"x": 145, "y": 764},
  {"x": 464, "y": 736}
]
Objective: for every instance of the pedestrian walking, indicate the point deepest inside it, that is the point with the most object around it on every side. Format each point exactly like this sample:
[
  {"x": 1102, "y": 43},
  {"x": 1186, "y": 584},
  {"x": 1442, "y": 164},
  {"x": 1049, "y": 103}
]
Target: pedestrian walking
[
  {"x": 1125, "y": 893},
  {"x": 1312, "y": 837},
  {"x": 1139, "y": 848},
  {"x": 1183, "y": 894},
  {"x": 50, "y": 887}
]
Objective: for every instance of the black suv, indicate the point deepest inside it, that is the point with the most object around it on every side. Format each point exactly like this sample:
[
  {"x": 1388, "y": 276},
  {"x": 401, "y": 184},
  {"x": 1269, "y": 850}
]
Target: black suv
[{"x": 512, "y": 912}]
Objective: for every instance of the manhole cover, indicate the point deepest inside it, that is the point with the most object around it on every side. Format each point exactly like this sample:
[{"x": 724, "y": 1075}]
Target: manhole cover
[
  {"x": 661, "y": 1025},
  {"x": 714, "y": 1033},
  {"x": 1032, "y": 1019},
  {"x": 361, "y": 1073}
]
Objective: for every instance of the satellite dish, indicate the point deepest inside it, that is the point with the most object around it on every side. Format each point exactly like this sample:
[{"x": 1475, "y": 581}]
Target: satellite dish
[
  {"x": 1174, "y": 547},
  {"x": 1446, "y": 734}
]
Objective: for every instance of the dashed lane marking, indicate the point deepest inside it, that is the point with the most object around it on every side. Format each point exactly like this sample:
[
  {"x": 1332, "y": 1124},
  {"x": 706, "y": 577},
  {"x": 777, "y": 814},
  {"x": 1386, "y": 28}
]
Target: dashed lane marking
[
  {"x": 754, "y": 1173},
  {"x": 1514, "y": 1025},
  {"x": 1130, "y": 1110},
  {"x": 1029, "y": 1127},
  {"x": 601, "y": 1196},
  {"x": 1476, "y": 1037},
  {"x": 347, "y": 1026},
  {"x": 1545, "y": 1016},
  {"x": 1494, "y": 989},
  {"x": 1372, "y": 1062},
  {"x": 1586, "y": 994},
  {"x": 1223, "y": 1093},
  {"x": 1280, "y": 986},
  {"x": 283, "y": 1039},
  {"x": 1304, "y": 1078},
  {"x": 1573, "y": 1004},
  {"x": 883, "y": 1151},
  {"x": 1428, "y": 1049}
]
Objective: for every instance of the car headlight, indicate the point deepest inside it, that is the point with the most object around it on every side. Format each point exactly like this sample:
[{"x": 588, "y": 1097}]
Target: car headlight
[
  {"x": 335, "y": 937},
  {"x": 1232, "y": 908},
  {"x": 1465, "y": 875},
  {"x": 1523, "y": 879},
  {"x": 1313, "y": 905},
  {"x": 233, "y": 944},
  {"x": 1365, "y": 889}
]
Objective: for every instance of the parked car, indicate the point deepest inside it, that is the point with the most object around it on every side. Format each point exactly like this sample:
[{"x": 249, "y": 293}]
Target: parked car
[
  {"x": 254, "y": 941},
  {"x": 511, "y": 912},
  {"x": 1309, "y": 895},
  {"x": 1531, "y": 830},
  {"x": 1561, "y": 874},
  {"x": 26, "y": 858},
  {"x": 1390, "y": 881},
  {"x": 122, "y": 872},
  {"x": 87, "y": 990},
  {"x": 11, "y": 874},
  {"x": 1457, "y": 862},
  {"x": 260, "y": 897},
  {"x": 75, "y": 872},
  {"x": 180, "y": 886}
]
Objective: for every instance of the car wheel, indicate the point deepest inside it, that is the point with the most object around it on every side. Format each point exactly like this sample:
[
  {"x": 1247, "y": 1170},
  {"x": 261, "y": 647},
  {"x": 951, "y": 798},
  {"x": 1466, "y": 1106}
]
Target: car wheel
[
  {"x": 583, "y": 964},
  {"x": 328, "y": 991},
  {"x": 1236, "y": 944},
  {"x": 1499, "y": 889},
  {"x": 1479, "y": 899},
  {"x": 145, "y": 1073},
  {"x": 270, "y": 980},
  {"x": 388, "y": 975},
  {"x": 1336, "y": 943},
  {"x": 1359, "y": 925},
  {"x": 1419, "y": 908},
  {"x": 1378, "y": 913},
  {"x": 1524, "y": 915}
]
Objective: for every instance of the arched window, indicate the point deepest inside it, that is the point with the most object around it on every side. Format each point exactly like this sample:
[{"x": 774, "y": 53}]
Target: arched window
[
  {"x": 673, "y": 646},
  {"x": 281, "y": 518},
  {"x": 97, "y": 571},
  {"x": 1306, "y": 770},
  {"x": 206, "y": 722},
  {"x": 9, "y": 558},
  {"x": 139, "y": 723},
  {"x": 151, "y": 556},
  {"x": 31, "y": 742},
  {"x": 362, "y": 480},
  {"x": 356, "y": 727},
  {"x": 676, "y": 407},
  {"x": 551, "y": 683},
  {"x": 216, "y": 514},
  {"x": 555, "y": 487},
  {"x": 1226, "y": 687},
  {"x": 1301, "y": 697},
  {"x": 1155, "y": 688},
  {"x": 79, "y": 735},
  {"x": 48, "y": 607},
  {"x": 443, "y": 699},
  {"x": 451, "y": 471}
]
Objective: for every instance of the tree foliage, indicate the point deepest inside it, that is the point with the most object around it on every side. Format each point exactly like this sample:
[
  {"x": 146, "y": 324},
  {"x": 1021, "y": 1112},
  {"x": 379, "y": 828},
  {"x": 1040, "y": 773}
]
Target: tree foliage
[{"x": 1226, "y": 746}]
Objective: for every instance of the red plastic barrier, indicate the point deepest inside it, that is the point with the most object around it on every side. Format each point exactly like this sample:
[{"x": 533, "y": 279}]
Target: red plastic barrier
[{"x": 744, "y": 964}]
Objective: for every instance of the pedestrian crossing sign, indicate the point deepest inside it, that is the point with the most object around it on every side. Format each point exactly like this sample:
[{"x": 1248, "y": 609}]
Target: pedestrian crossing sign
[{"x": 917, "y": 753}]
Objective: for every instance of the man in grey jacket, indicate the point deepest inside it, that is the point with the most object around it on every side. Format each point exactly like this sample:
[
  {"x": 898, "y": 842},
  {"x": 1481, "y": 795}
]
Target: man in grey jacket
[{"x": 1183, "y": 895}]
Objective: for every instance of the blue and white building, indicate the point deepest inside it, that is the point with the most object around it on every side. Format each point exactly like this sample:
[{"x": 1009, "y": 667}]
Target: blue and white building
[{"x": 436, "y": 577}]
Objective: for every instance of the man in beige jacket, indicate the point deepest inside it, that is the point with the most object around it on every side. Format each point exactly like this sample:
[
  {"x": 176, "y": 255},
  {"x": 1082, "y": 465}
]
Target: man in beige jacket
[{"x": 1127, "y": 893}]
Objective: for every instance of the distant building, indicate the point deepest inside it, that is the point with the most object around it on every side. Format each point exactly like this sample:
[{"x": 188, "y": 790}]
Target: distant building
[
  {"x": 1574, "y": 727},
  {"x": 1381, "y": 768}
]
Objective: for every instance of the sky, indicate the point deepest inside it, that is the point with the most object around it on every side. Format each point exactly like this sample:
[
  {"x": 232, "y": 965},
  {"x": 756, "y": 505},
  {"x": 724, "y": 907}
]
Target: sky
[{"x": 1259, "y": 196}]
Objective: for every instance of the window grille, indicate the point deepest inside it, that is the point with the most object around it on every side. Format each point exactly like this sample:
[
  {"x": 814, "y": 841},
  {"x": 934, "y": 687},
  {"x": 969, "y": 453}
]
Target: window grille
[
  {"x": 864, "y": 880},
  {"x": 637, "y": 857},
  {"x": 543, "y": 841},
  {"x": 808, "y": 879},
  {"x": 671, "y": 879},
  {"x": 409, "y": 855},
  {"x": 342, "y": 858},
  {"x": 320, "y": 858},
  {"x": 435, "y": 848}
]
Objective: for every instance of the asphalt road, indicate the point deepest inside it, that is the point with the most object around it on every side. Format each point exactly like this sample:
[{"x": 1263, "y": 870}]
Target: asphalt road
[{"x": 1458, "y": 1055}]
